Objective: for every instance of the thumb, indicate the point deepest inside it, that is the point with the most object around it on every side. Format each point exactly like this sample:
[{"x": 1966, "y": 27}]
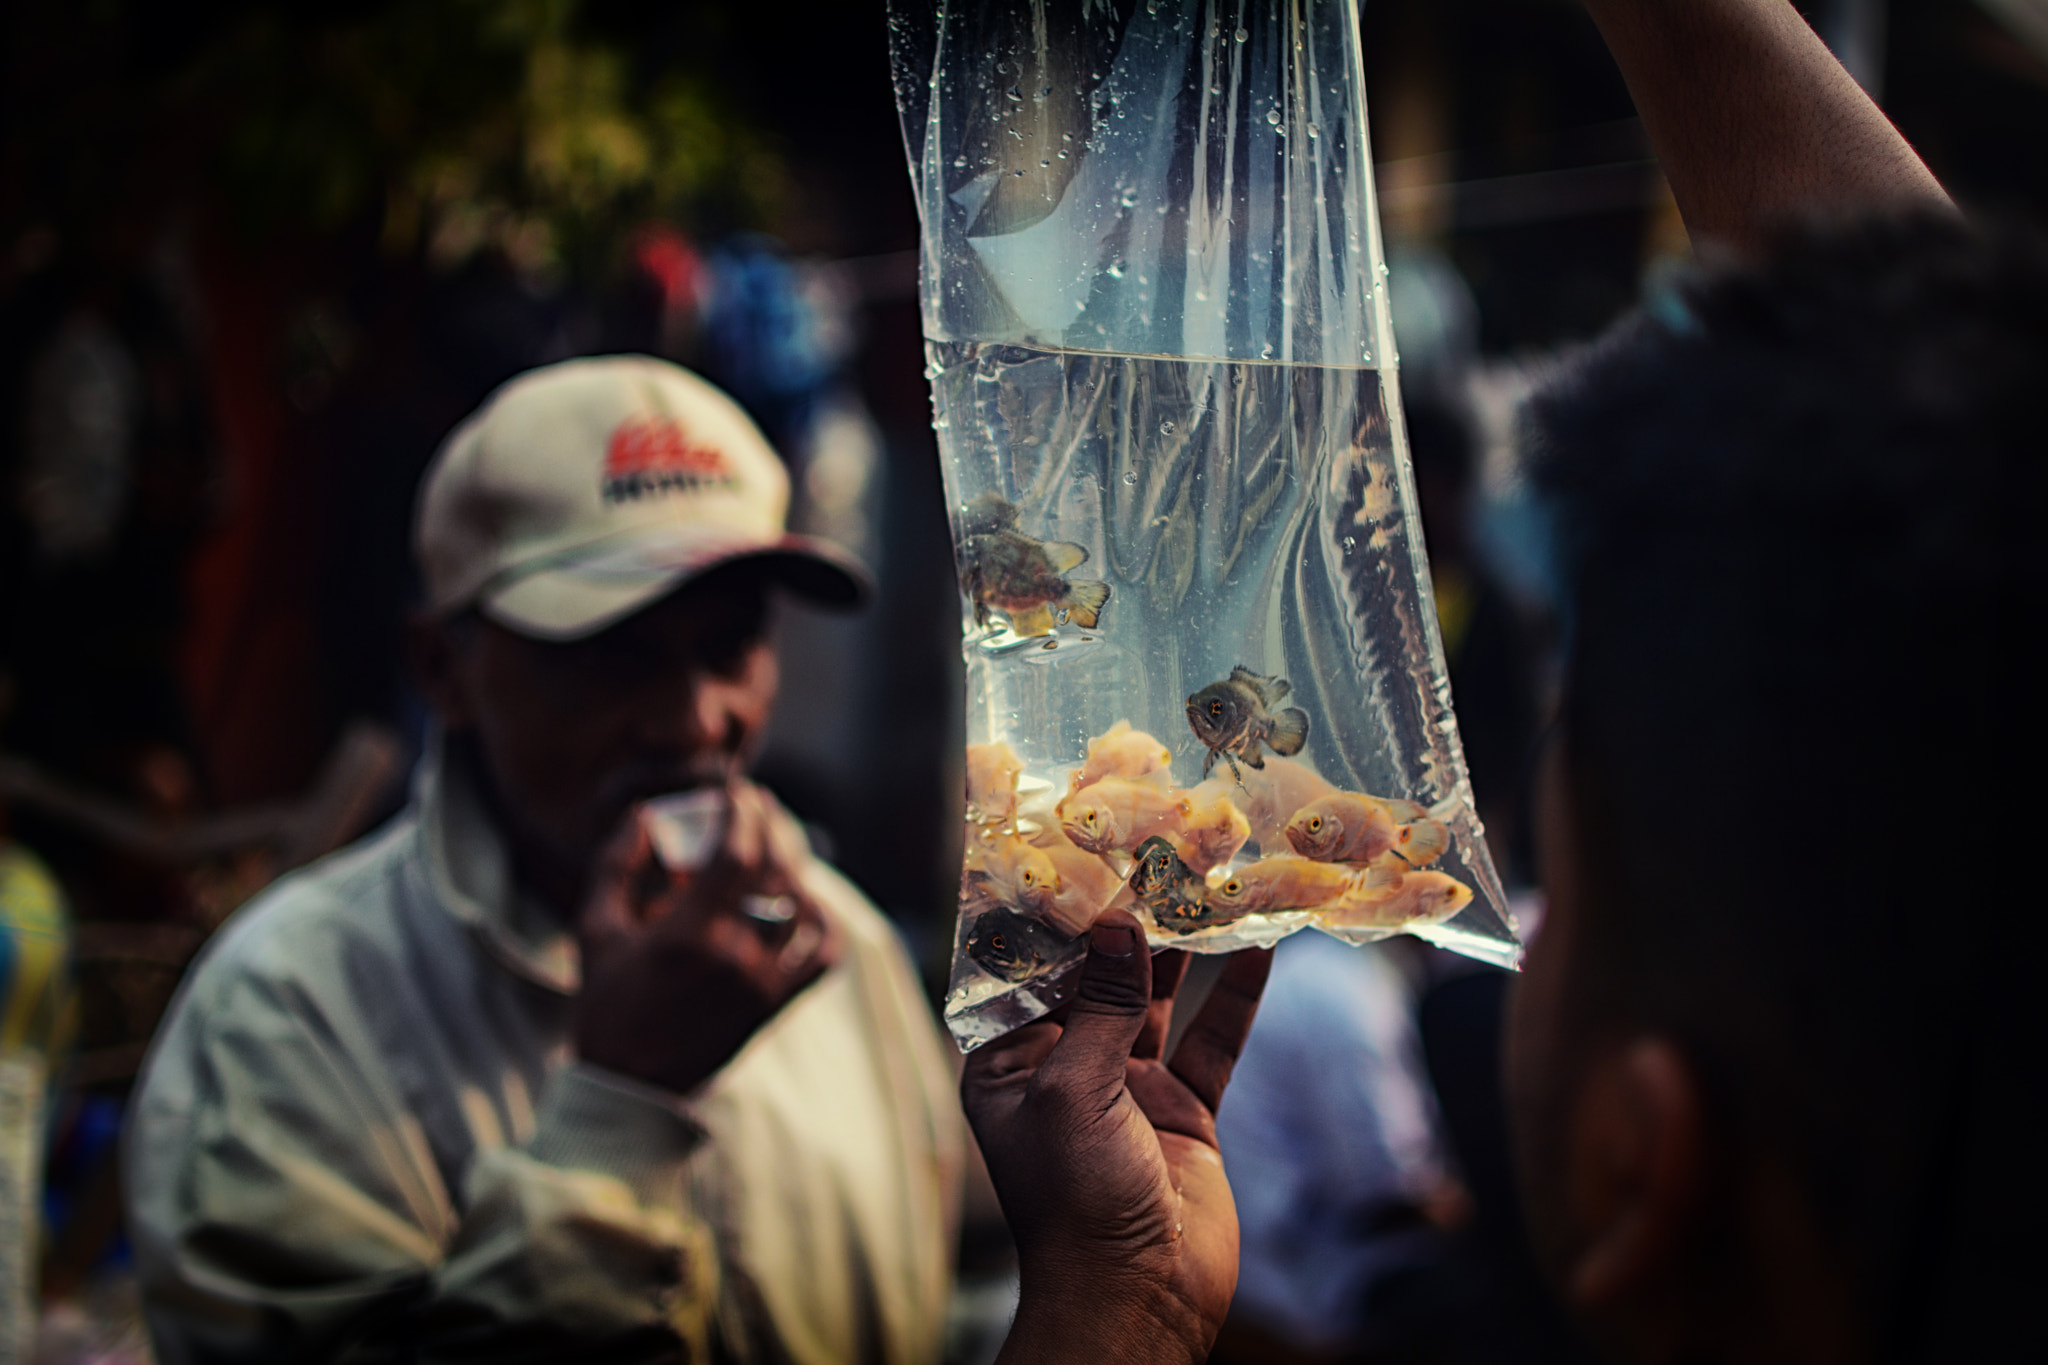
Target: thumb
[{"x": 1108, "y": 1011}]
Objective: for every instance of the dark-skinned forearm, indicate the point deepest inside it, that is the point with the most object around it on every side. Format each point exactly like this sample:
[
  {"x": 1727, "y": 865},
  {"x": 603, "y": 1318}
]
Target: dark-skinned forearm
[{"x": 1753, "y": 119}]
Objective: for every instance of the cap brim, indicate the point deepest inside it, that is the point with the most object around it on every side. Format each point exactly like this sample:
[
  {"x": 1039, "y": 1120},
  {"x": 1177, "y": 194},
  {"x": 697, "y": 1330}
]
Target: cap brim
[{"x": 576, "y": 599}]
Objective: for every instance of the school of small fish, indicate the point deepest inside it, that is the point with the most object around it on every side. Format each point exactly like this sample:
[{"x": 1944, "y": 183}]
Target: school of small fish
[{"x": 1041, "y": 867}]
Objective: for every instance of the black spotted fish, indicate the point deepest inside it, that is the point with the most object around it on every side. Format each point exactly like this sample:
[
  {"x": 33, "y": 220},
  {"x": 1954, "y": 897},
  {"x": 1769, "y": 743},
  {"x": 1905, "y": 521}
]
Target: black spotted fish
[
  {"x": 1024, "y": 578},
  {"x": 1235, "y": 718},
  {"x": 1014, "y": 947}
]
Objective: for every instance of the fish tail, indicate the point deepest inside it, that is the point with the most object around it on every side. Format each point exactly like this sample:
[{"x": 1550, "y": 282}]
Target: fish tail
[
  {"x": 1290, "y": 732},
  {"x": 1422, "y": 842},
  {"x": 1084, "y": 601}
]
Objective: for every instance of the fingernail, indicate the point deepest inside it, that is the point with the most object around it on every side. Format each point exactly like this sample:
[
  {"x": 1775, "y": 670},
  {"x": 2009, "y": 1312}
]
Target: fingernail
[{"x": 1112, "y": 940}]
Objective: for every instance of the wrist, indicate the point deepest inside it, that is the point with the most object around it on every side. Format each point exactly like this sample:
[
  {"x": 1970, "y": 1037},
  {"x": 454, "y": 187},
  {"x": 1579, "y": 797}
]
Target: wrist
[{"x": 1115, "y": 1319}]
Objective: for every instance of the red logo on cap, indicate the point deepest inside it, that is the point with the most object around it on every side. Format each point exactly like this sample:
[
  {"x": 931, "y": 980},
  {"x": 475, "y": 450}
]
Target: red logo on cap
[{"x": 649, "y": 456}]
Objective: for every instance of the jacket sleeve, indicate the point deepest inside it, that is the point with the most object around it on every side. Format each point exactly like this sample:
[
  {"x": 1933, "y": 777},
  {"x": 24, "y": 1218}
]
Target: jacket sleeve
[{"x": 285, "y": 1205}]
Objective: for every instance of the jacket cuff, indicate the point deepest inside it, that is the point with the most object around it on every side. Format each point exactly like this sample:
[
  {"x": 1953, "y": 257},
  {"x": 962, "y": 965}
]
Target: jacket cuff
[{"x": 595, "y": 1120}]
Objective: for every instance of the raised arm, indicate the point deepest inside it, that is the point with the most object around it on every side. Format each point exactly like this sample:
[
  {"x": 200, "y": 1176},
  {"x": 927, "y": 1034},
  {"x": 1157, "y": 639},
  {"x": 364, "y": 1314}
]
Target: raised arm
[{"x": 1753, "y": 119}]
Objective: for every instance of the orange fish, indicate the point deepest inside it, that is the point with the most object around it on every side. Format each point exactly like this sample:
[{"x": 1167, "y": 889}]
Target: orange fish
[
  {"x": 1006, "y": 871},
  {"x": 1116, "y": 815},
  {"x": 1123, "y": 752},
  {"x": 1087, "y": 884},
  {"x": 1213, "y": 834},
  {"x": 1283, "y": 882},
  {"x": 1344, "y": 827},
  {"x": 992, "y": 771},
  {"x": 1392, "y": 898},
  {"x": 1268, "y": 796}
]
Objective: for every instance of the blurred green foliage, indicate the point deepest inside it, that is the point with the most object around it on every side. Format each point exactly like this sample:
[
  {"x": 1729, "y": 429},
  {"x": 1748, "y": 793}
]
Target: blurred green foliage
[{"x": 447, "y": 125}]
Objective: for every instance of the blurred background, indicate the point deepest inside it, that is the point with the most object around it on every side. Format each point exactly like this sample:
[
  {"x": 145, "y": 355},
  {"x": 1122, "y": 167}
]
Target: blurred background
[{"x": 257, "y": 258}]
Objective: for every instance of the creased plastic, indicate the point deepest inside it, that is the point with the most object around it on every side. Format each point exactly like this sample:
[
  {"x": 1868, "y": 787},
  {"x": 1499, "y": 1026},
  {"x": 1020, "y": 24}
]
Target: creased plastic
[{"x": 1163, "y": 386}]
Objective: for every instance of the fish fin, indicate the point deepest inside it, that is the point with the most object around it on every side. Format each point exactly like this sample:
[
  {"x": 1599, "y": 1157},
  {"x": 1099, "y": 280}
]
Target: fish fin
[
  {"x": 1208, "y": 762},
  {"x": 1253, "y": 757},
  {"x": 1403, "y": 812},
  {"x": 1442, "y": 810},
  {"x": 1422, "y": 842},
  {"x": 1037, "y": 621},
  {"x": 1290, "y": 731},
  {"x": 1382, "y": 877},
  {"x": 1084, "y": 601},
  {"x": 1062, "y": 555},
  {"x": 1270, "y": 690}
]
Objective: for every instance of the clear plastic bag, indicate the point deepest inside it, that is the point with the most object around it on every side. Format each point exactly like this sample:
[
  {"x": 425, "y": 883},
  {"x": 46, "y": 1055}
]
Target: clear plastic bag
[{"x": 1203, "y": 667}]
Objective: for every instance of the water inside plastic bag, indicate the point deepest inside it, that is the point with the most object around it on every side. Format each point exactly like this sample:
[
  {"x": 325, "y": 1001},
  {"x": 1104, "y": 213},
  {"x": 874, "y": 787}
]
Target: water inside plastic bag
[{"x": 1161, "y": 371}]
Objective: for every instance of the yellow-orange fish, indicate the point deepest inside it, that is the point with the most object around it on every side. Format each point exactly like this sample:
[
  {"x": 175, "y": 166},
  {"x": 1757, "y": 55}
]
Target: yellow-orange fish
[
  {"x": 1006, "y": 871},
  {"x": 1268, "y": 796},
  {"x": 992, "y": 771},
  {"x": 1087, "y": 884},
  {"x": 1390, "y": 897},
  {"x": 1344, "y": 827},
  {"x": 1213, "y": 834},
  {"x": 1116, "y": 815},
  {"x": 1283, "y": 882},
  {"x": 1123, "y": 752}
]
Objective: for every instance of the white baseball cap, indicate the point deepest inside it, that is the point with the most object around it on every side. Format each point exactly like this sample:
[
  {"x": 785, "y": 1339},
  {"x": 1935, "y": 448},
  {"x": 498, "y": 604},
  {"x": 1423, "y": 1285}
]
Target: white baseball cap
[{"x": 583, "y": 491}]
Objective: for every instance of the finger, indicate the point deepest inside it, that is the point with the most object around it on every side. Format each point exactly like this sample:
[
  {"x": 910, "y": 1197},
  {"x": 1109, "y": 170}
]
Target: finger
[
  {"x": 1107, "y": 1012},
  {"x": 734, "y": 866},
  {"x": 621, "y": 863},
  {"x": 811, "y": 947},
  {"x": 1168, "y": 970},
  {"x": 1209, "y": 1049}
]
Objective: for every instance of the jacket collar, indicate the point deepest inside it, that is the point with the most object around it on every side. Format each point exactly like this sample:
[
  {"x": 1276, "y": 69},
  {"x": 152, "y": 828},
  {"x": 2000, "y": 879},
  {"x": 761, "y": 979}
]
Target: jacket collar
[{"x": 469, "y": 870}]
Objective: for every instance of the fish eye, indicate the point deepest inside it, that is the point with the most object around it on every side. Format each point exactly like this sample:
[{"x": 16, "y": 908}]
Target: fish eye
[
  {"x": 1315, "y": 822},
  {"x": 996, "y": 942},
  {"x": 1232, "y": 887},
  {"x": 1215, "y": 708}
]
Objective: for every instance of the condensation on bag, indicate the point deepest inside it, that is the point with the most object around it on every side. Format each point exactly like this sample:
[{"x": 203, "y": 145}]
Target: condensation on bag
[{"x": 1204, "y": 675}]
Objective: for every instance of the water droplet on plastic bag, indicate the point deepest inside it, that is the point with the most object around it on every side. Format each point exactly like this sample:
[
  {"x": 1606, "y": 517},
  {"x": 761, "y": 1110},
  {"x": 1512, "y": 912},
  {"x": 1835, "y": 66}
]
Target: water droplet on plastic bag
[
  {"x": 1130, "y": 197},
  {"x": 1242, "y": 35},
  {"x": 1131, "y": 480},
  {"x": 1116, "y": 270},
  {"x": 1314, "y": 132},
  {"x": 1166, "y": 428},
  {"x": 1273, "y": 116}
]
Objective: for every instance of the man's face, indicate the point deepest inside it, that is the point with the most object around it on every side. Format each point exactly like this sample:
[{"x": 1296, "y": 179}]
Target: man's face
[{"x": 571, "y": 735}]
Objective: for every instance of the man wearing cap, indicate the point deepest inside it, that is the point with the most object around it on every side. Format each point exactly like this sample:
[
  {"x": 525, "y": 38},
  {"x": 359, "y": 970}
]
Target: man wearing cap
[{"x": 497, "y": 1083}]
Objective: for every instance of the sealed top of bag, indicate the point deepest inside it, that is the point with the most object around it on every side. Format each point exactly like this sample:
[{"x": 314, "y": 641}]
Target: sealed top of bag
[{"x": 1180, "y": 179}]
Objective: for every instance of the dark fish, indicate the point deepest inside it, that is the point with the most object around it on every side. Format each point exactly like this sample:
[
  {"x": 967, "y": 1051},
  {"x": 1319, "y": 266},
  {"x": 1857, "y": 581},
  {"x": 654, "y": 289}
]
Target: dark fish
[
  {"x": 1023, "y": 578},
  {"x": 1235, "y": 717},
  {"x": 1015, "y": 947},
  {"x": 987, "y": 515},
  {"x": 1176, "y": 895}
]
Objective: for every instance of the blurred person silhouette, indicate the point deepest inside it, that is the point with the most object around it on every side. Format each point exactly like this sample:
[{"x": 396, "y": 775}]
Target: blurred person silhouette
[
  {"x": 1332, "y": 1146},
  {"x": 1776, "y": 1085},
  {"x": 498, "y": 1082}
]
